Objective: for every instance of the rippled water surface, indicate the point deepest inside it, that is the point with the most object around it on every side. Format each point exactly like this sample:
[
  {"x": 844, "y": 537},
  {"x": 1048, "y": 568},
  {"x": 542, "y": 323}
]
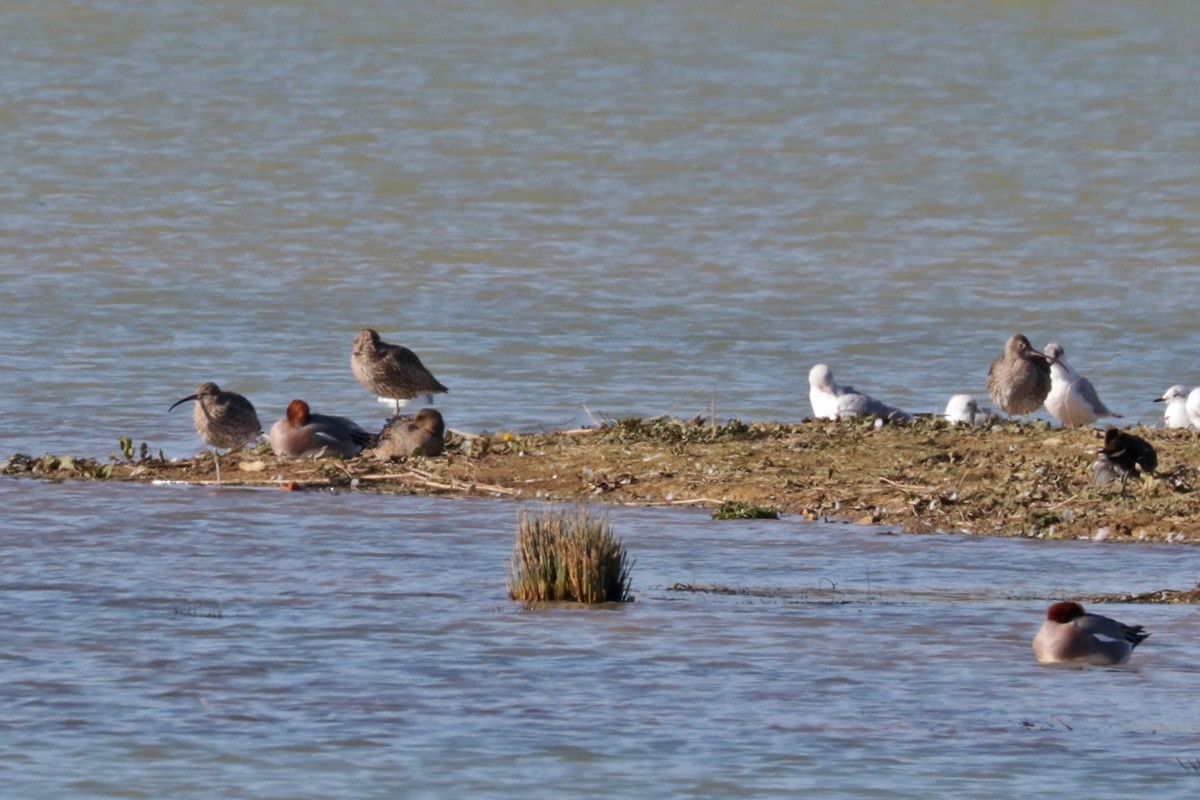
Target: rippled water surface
[
  {"x": 640, "y": 209},
  {"x": 571, "y": 210},
  {"x": 202, "y": 643}
]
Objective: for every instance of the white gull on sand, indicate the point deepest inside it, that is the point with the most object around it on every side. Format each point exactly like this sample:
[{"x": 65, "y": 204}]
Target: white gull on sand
[
  {"x": 1175, "y": 414},
  {"x": 830, "y": 401},
  {"x": 1072, "y": 400},
  {"x": 964, "y": 408}
]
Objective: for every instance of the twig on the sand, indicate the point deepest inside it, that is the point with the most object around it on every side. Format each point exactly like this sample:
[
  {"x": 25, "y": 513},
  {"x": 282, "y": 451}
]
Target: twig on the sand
[
  {"x": 1062, "y": 503},
  {"x": 908, "y": 487},
  {"x": 431, "y": 481}
]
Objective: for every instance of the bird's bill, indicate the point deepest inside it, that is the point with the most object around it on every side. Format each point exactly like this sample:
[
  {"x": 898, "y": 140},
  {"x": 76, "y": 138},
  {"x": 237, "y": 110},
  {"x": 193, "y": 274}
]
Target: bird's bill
[{"x": 184, "y": 400}]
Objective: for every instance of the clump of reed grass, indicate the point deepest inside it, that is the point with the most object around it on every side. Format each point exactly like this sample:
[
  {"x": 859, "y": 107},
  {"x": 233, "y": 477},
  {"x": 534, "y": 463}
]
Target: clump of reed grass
[
  {"x": 565, "y": 556},
  {"x": 737, "y": 510}
]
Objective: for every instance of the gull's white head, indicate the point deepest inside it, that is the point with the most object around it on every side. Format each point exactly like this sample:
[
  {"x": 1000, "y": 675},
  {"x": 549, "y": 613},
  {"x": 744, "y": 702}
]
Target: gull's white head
[
  {"x": 821, "y": 377},
  {"x": 1054, "y": 352},
  {"x": 1176, "y": 392},
  {"x": 961, "y": 407}
]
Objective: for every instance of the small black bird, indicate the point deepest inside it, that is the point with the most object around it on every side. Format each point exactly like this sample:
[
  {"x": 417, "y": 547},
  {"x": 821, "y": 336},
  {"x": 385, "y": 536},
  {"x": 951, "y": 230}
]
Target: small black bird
[{"x": 1122, "y": 454}]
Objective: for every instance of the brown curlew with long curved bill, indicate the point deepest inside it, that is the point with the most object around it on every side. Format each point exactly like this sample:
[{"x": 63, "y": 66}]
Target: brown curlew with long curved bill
[
  {"x": 391, "y": 372},
  {"x": 223, "y": 419},
  {"x": 1019, "y": 380}
]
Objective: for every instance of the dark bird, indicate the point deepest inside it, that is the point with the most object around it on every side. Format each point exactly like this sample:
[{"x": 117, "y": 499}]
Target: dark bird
[
  {"x": 223, "y": 419},
  {"x": 425, "y": 435},
  {"x": 1019, "y": 380},
  {"x": 303, "y": 434},
  {"x": 1122, "y": 455},
  {"x": 392, "y": 372}
]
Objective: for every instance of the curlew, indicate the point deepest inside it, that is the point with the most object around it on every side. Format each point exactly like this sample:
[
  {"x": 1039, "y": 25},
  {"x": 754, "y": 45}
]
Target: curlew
[
  {"x": 392, "y": 372},
  {"x": 223, "y": 419}
]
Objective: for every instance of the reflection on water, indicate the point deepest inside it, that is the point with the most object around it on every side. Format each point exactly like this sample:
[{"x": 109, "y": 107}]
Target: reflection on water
[{"x": 198, "y": 643}]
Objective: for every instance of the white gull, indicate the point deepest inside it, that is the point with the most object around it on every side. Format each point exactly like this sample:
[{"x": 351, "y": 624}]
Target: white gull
[
  {"x": 830, "y": 401},
  {"x": 964, "y": 408},
  {"x": 1175, "y": 414},
  {"x": 1072, "y": 400}
]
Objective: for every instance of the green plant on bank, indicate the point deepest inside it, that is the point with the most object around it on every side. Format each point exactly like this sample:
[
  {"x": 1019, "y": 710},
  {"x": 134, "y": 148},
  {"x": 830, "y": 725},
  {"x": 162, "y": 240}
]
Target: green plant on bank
[
  {"x": 139, "y": 456},
  {"x": 738, "y": 510},
  {"x": 564, "y": 556},
  {"x": 142, "y": 453}
]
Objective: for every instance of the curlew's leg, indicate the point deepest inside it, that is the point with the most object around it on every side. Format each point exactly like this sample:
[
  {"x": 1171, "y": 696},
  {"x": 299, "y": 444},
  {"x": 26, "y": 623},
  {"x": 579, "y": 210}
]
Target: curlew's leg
[{"x": 217, "y": 461}]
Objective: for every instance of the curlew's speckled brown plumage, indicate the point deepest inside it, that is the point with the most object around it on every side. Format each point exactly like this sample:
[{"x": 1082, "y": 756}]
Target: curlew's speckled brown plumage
[
  {"x": 304, "y": 434},
  {"x": 392, "y": 372},
  {"x": 425, "y": 434},
  {"x": 1019, "y": 380},
  {"x": 223, "y": 419}
]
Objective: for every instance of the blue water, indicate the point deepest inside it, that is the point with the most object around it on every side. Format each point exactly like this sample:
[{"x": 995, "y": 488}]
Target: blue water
[
  {"x": 202, "y": 643},
  {"x": 573, "y": 211}
]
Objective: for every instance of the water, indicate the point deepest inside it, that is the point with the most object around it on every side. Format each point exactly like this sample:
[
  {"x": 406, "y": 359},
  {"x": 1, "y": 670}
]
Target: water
[
  {"x": 571, "y": 210},
  {"x": 365, "y": 648}
]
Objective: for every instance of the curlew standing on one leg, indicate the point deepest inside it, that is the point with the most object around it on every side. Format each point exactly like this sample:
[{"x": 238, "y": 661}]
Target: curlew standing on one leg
[{"x": 392, "y": 372}]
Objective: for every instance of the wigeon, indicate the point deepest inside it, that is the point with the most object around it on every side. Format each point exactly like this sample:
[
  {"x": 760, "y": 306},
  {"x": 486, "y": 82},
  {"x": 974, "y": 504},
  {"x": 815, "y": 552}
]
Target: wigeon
[{"x": 1071, "y": 634}]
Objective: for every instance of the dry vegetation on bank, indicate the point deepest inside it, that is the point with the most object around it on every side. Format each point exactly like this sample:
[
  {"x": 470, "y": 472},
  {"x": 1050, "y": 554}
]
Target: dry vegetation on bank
[{"x": 1006, "y": 480}]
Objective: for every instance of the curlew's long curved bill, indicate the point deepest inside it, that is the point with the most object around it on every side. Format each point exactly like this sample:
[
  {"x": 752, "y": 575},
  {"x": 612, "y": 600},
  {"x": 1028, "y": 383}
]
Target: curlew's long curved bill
[{"x": 184, "y": 400}]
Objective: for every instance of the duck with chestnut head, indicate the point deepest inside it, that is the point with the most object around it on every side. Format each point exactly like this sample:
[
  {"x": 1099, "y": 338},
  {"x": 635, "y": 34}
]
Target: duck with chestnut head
[
  {"x": 304, "y": 434},
  {"x": 1070, "y": 634}
]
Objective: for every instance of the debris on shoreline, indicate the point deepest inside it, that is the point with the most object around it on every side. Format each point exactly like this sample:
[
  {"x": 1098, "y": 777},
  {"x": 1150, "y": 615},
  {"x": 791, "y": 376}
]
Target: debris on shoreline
[{"x": 1006, "y": 479}]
